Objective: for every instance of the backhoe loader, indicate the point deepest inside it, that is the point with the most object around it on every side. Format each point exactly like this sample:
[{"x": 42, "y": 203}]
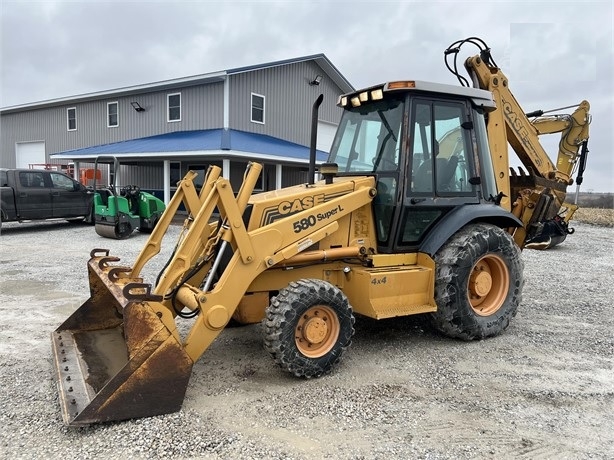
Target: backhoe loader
[{"x": 415, "y": 213}]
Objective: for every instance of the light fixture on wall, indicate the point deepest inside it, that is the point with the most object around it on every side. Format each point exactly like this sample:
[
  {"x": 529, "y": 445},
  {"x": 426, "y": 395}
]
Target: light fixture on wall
[
  {"x": 316, "y": 81},
  {"x": 136, "y": 106}
]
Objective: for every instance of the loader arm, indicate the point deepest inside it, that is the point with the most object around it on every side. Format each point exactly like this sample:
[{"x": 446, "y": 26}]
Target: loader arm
[
  {"x": 187, "y": 281},
  {"x": 253, "y": 253}
]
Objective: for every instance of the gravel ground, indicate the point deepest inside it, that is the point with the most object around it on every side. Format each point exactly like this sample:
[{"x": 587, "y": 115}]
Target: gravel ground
[{"x": 543, "y": 389}]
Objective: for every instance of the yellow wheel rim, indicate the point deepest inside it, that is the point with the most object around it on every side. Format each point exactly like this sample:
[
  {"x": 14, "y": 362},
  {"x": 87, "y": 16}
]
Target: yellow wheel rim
[
  {"x": 317, "y": 331},
  {"x": 488, "y": 285}
]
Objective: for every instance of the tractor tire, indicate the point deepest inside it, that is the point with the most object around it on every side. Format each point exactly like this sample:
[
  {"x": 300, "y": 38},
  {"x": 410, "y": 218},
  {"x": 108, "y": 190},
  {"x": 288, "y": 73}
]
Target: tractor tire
[
  {"x": 478, "y": 284},
  {"x": 307, "y": 327}
]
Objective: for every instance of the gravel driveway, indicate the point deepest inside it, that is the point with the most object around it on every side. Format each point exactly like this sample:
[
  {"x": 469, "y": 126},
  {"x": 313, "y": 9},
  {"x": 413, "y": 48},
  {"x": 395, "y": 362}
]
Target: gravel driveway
[{"x": 543, "y": 389}]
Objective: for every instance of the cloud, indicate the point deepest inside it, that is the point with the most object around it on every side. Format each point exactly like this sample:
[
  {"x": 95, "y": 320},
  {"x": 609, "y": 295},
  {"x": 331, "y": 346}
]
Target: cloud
[{"x": 555, "y": 53}]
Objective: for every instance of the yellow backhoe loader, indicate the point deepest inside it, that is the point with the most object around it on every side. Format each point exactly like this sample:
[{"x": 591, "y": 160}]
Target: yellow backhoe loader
[{"x": 415, "y": 213}]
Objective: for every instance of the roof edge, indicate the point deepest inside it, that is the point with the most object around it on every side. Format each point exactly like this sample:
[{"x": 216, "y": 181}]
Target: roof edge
[
  {"x": 134, "y": 89},
  {"x": 320, "y": 58}
]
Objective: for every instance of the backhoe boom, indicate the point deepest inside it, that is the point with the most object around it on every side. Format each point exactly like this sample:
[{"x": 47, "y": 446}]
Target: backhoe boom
[{"x": 537, "y": 198}]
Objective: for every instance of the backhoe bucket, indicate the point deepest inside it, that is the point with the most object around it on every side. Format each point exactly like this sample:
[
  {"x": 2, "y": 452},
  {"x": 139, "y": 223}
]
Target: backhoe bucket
[
  {"x": 552, "y": 233},
  {"x": 114, "y": 357}
]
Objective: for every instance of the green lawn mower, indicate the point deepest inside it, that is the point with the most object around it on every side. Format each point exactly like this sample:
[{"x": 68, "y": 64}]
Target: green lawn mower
[{"x": 117, "y": 215}]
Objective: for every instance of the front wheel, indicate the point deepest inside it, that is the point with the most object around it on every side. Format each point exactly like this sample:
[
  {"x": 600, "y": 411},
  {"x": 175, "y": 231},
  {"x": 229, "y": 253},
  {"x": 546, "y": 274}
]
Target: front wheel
[
  {"x": 307, "y": 327},
  {"x": 478, "y": 283}
]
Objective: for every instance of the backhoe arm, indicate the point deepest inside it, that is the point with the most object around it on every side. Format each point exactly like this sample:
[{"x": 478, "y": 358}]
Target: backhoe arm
[
  {"x": 574, "y": 131},
  {"x": 518, "y": 131},
  {"x": 537, "y": 198}
]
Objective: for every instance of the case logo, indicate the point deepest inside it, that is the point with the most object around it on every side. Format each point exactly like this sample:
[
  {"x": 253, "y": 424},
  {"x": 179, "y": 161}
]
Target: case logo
[{"x": 290, "y": 207}]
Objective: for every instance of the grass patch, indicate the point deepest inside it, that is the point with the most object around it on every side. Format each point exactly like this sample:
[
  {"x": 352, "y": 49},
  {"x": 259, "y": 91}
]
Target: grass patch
[{"x": 595, "y": 216}]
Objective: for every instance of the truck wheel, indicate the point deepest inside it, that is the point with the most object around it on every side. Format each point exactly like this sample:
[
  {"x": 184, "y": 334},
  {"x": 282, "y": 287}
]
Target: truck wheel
[
  {"x": 307, "y": 327},
  {"x": 91, "y": 217},
  {"x": 478, "y": 284}
]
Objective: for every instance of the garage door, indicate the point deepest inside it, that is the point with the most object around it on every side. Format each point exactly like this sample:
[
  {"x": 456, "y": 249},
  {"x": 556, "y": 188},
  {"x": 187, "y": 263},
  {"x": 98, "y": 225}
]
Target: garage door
[
  {"x": 27, "y": 153},
  {"x": 326, "y": 135}
]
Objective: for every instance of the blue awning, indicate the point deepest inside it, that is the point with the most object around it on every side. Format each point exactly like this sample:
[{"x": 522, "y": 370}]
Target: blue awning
[{"x": 217, "y": 143}]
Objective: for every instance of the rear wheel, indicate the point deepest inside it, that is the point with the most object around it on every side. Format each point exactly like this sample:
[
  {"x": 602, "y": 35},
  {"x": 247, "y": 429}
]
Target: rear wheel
[
  {"x": 307, "y": 327},
  {"x": 123, "y": 230},
  {"x": 478, "y": 283},
  {"x": 143, "y": 228}
]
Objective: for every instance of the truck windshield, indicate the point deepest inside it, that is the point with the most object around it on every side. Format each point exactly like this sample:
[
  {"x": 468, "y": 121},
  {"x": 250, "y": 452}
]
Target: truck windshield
[{"x": 369, "y": 137}]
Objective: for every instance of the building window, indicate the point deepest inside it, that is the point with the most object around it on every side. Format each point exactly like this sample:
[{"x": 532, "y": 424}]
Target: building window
[
  {"x": 71, "y": 119},
  {"x": 257, "y": 108},
  {"x": 112, "y": 114},
  {"x": 173, "y": 102}
]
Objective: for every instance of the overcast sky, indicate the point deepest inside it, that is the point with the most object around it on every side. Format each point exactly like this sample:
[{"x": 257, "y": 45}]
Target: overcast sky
[{"x": 555, "y": 53}]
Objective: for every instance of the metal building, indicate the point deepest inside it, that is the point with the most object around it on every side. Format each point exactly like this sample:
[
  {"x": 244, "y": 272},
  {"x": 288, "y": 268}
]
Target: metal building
[{"x": 161, "y": 130}]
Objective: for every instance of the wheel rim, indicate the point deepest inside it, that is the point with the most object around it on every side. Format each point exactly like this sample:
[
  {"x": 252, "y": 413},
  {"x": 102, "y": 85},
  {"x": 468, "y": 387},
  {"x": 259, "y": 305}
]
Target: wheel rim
[
  {"x": 317, "y": 331},
  {"x": 488, "y": 285}
]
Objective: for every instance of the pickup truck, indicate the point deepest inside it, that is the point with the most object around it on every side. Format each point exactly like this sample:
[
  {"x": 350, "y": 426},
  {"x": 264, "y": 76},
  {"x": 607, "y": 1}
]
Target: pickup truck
[{"x": 33, "y": 194}]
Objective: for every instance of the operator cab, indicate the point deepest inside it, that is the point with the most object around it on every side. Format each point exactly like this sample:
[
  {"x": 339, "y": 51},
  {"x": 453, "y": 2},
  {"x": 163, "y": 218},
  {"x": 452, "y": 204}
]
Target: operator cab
[{"x": 427, "y": 147}]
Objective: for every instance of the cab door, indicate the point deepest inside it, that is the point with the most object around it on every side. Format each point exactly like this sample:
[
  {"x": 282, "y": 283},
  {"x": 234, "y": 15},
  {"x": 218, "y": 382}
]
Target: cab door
[
  {"x": 441, "y": 168},
  {"x": 69, "y": 198},
  {"x": 33, "y": 195}
]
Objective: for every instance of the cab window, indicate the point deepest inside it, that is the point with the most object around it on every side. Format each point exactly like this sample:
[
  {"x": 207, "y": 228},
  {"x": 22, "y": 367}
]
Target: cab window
[
  {"x": 60, "y": 181},
  {"x": 369, "y": 138},
  {"x": 31, "y": 179}
]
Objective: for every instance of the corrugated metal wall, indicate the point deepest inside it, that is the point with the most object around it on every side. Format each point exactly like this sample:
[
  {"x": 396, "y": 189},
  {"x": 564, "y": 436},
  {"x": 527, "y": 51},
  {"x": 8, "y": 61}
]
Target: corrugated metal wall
[
  {"x": 294, "y": 175},
  {"x": 288, "y": 100},
  {"x": 201, "y": 108},
  {"x": 148, "y": 176}
]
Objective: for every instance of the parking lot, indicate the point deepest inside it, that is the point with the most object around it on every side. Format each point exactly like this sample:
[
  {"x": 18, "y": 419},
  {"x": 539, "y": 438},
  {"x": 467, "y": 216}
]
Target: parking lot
[{"x": 543, "y": 389}]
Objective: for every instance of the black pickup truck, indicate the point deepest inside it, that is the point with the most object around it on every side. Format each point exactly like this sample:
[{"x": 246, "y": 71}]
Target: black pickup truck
[{"x": 33, "y": 194}]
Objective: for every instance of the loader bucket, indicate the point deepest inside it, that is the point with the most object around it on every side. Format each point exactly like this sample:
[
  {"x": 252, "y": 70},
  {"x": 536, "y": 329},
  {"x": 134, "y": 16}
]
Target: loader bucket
[{"x": 114, "y": 358}]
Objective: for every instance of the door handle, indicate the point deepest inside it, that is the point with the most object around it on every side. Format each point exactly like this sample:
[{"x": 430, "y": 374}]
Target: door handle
[{"x": 417, "y": 200}]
